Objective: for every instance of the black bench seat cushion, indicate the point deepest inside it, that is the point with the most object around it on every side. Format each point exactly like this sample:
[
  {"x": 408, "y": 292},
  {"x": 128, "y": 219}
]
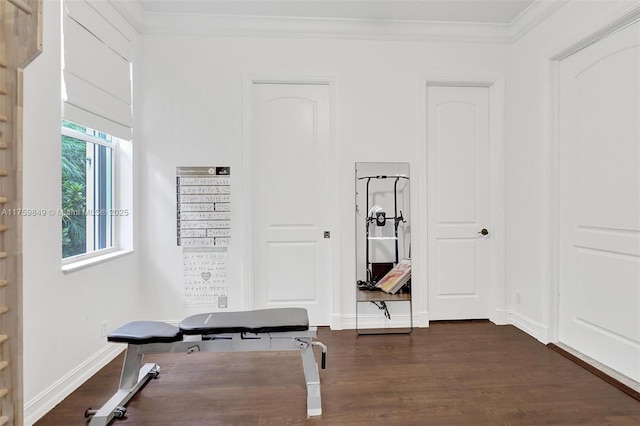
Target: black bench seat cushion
[
  {"x": 143, "y": 332},
  {"x": 257, "y": 321}
]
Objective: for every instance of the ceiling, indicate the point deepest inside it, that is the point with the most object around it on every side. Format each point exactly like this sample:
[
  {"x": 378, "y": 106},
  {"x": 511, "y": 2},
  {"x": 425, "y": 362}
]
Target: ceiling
[{"x": 470, "y": 11}]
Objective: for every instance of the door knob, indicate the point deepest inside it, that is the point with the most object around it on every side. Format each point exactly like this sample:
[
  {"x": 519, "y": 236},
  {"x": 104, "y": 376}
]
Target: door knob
[{"x": 484, "y": 231}]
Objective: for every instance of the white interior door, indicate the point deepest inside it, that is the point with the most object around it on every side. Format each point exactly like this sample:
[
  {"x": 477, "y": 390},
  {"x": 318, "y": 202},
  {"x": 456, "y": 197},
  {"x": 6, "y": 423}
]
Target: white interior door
[
  {"x": 291, "y": 204},
  {"x": 458, "y": 138},
  {"x": 599, "y": 203}
]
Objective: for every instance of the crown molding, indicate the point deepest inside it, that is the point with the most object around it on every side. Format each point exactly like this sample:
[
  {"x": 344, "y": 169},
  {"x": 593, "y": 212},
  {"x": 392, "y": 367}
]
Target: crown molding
[
  {"x": 244, "y": 26},
  {"x": 532, "y": 16},
  {"x": 132, "y": 12},
  {"x": 324, "y": 28},
  {"x": 617, "y": 22}
]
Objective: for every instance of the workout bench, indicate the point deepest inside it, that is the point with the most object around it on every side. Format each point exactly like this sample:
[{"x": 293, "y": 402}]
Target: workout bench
[{"x": 281, "y": 329}]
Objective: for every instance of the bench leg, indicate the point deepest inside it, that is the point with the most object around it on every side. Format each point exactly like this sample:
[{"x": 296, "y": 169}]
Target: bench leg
[
  {"x": 133, "y": 378},
  {"x": 312, "y": 378},
  {"x": 130, "y": 368}
]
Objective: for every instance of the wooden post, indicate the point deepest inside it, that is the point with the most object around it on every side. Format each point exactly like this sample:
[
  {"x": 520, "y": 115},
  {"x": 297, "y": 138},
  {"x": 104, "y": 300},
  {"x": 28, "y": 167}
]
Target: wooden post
[{"x": 20, "y": 43}]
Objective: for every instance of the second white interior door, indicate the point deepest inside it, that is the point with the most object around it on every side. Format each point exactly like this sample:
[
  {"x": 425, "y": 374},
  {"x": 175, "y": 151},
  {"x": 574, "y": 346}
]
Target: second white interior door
[{"x": 459, "y": 225}]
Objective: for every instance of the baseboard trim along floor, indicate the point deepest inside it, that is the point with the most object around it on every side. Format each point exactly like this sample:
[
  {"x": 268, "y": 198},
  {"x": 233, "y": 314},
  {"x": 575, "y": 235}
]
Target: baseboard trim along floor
[{"x": 621, "y": 382}]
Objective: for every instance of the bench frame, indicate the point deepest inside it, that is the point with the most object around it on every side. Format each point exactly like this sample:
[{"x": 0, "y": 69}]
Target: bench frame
[{"x": 135, "y": 375}]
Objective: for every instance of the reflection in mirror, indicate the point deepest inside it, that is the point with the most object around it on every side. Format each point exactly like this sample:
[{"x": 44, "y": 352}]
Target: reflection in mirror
[{"x": 383, "y": 226}]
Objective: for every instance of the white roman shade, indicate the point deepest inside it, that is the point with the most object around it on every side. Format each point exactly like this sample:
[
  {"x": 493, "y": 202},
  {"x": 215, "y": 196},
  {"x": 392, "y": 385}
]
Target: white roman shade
[{"x": 97, "y": 67}]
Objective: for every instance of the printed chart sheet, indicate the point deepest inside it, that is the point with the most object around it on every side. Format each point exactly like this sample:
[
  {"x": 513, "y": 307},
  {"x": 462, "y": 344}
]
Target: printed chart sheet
[
  {"x": 203, "y": 225},
  {"x": 205, "y": 277}
]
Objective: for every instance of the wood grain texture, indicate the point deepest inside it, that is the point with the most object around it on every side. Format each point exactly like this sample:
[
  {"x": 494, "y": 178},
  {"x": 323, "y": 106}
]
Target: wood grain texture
[
  {"x": 452, "y": 373},
  {"x": 20, "y": 43}
]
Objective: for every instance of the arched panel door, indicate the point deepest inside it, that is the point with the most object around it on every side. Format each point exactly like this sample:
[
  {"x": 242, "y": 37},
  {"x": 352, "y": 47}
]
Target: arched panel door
[
  {"x": 599, "y": 201},
  {"x": 291, "y": 199}
]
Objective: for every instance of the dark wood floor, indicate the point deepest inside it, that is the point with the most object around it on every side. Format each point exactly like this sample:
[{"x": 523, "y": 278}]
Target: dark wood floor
[{"x": 452, "y": 373}]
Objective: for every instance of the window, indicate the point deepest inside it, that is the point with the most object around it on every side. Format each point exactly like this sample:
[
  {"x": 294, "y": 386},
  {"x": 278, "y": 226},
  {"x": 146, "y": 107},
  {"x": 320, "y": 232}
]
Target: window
[
  {"x": 97, "y": 131},
  {"x": 87, "y": 190}
]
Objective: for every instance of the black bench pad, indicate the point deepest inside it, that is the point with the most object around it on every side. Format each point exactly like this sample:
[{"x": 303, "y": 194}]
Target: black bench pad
[
  {"x": 258, "y": 321},
  {"x": 143, "y": 332}
]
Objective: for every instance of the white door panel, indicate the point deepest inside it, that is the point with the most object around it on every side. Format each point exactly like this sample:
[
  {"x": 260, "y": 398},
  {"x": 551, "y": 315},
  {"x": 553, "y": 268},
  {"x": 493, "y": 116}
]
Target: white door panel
[
  {"x": 291, "y": 205},
  {"x": 291, "y": 281},
  {"x": 456, "y": 136},
  {"x": 453, "y": 280},
  {"x": 458, "y": 140},
  {"x": 599, "y": 188}
]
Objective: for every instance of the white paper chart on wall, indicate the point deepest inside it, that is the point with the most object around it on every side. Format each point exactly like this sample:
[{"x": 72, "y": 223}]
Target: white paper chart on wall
[
  {"x": 203, "y": 230},
  {"x": 205, "y": 277},
  {"x": 203, "y": 204}
]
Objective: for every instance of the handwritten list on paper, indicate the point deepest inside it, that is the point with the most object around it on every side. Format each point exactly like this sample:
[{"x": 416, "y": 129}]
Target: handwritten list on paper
[
  {"x": 205, "y": 277},
  {"x": 203, "y": 221}
]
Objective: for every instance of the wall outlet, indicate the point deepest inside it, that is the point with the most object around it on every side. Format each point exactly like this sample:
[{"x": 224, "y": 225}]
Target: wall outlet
[
  {"x": 104, "y": 327},
  {"x": 518, "y": 298}
]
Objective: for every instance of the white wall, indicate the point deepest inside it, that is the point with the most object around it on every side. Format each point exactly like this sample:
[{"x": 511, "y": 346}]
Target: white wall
[
  {"x": 189, "y": 113},
  {"x": 62, "y": 312},
  {"x": 529, "y": 159}
]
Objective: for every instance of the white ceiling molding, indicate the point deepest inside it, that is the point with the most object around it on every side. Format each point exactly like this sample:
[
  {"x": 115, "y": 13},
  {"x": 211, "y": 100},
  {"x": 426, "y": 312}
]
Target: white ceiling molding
[
  {"x": 624, "y": 18},
  {"x": 254, "y": 26},
  {"x": 133, "y": 12},
  {"x": 532, "y": 16},
  {"x": 326, "y": 28},
  {"x": 487, "y": 11}
]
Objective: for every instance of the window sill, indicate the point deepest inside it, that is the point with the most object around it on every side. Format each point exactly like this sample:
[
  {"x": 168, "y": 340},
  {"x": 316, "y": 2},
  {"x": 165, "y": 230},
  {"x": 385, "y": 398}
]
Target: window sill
[{"x": 85, "y": 263}]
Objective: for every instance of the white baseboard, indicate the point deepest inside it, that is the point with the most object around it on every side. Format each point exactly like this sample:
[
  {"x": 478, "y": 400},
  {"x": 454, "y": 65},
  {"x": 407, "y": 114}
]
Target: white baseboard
[
  {"x": 54, "y": 394},
  {"x": 336, "y": 322},
  {"x": 421, "y": 319},
  {"x": 529, "y": 326},
  {"x": 625, "y": 380},
  {"x": 499, "y": 317}
]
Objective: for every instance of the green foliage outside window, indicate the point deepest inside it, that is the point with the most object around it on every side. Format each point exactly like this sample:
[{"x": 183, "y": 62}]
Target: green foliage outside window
[{"x": 74, "y": 193}]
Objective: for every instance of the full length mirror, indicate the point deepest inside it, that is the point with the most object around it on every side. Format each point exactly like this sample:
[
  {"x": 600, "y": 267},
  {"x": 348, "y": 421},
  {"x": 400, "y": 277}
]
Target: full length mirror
[{"x": 383, "y": 238}]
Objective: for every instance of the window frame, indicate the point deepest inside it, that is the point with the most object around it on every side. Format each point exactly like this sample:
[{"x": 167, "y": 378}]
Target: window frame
[{"x": 116, "y": 223}]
